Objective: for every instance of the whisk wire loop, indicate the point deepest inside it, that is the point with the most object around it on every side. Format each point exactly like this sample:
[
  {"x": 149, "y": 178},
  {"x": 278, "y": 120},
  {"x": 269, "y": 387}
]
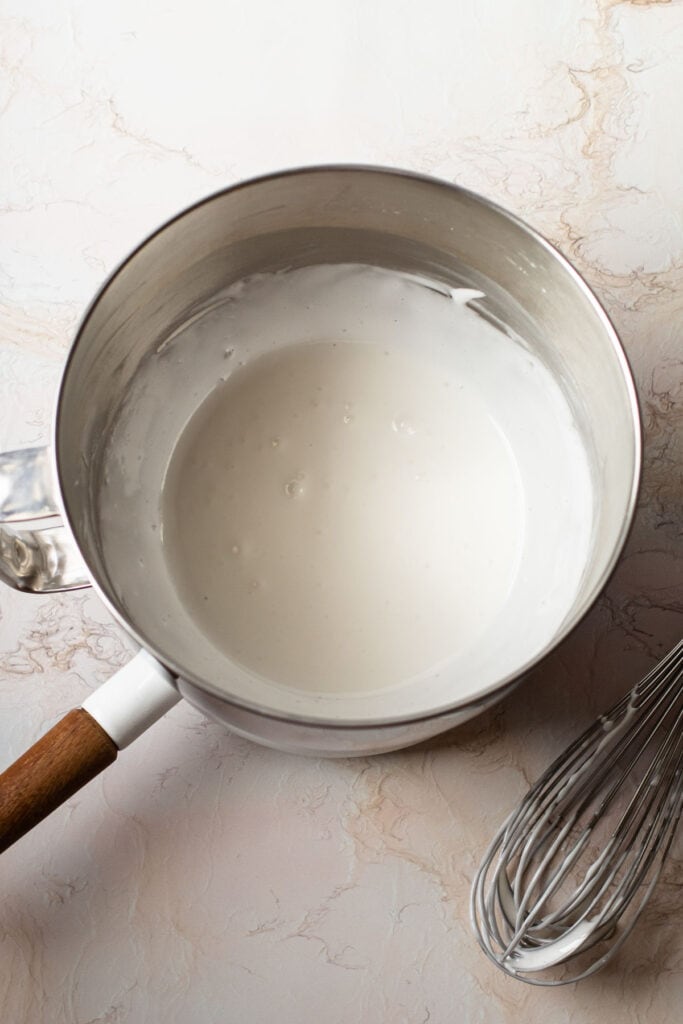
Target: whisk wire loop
[{"x": 552, "y": 886}]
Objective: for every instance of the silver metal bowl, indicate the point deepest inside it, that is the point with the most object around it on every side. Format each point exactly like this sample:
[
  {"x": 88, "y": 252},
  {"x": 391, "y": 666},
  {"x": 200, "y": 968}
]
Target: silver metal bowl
[{"x": 329, "y": 214}]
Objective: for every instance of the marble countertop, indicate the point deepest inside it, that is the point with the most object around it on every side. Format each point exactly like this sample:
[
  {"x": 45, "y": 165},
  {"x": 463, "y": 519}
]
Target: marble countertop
[{"x": 202, "y": 878}]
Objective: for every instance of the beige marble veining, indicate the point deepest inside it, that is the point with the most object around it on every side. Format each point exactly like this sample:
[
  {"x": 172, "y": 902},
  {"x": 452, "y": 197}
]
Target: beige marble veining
[{"x": 202, "y": 878}]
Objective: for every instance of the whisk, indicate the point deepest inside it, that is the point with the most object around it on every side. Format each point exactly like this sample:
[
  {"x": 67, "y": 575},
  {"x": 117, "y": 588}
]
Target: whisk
[{"x": 573, "y": 866}]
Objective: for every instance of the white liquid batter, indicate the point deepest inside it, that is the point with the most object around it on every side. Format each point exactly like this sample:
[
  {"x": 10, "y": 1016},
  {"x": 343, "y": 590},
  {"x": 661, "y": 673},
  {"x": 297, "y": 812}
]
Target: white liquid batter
[
  {"x": 378, "y": 502},
  {"x": 329, "y": 521}
]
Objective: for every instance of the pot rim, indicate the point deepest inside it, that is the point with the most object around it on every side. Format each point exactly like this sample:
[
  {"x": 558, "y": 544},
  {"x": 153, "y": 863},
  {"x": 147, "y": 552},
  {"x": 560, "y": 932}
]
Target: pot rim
[{"x": 508, "y": 682}]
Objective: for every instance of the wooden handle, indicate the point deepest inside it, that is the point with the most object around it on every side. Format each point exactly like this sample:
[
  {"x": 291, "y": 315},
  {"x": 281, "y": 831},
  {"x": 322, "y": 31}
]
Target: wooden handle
[{"x": 72, "y": 753}]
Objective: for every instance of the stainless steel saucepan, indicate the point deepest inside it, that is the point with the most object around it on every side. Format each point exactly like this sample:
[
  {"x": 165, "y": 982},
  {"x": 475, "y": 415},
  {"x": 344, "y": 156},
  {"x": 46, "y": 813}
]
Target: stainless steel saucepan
[{"x": 50, "y": 533}]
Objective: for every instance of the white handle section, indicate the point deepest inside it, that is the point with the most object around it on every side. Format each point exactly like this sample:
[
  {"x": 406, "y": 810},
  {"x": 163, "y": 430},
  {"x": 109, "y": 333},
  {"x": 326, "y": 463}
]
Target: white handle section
[{"x": 133, "y": 699}]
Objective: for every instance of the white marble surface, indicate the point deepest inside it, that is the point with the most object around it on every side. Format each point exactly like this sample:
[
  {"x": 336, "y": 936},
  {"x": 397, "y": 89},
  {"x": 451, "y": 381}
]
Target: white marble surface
[{"x": 202, "y": 878}]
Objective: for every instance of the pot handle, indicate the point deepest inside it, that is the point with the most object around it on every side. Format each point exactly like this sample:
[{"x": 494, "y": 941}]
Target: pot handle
[
  {"x": 43, "y": 559},
  {"x": 82, "y": 744}
]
